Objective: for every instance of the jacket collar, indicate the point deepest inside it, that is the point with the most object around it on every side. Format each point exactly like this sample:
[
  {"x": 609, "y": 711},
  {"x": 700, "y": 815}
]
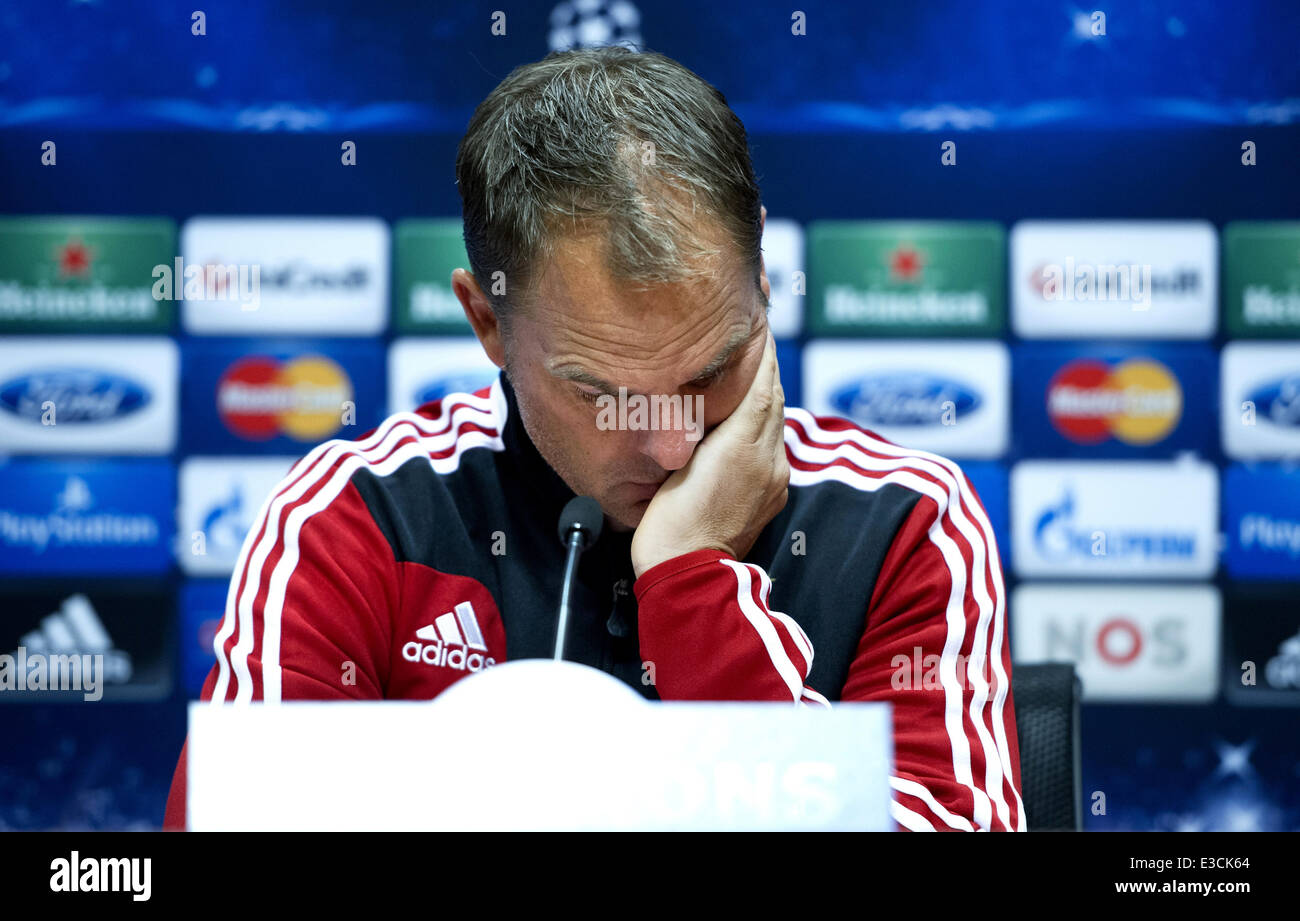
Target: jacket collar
[
  {"x": 547, "y": 489},
  {"x": 546, "y": 493}
]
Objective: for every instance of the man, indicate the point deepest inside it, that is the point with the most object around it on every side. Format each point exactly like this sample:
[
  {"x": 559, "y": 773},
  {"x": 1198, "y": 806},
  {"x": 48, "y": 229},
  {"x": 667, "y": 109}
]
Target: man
[{"x": 613, "y": 224}]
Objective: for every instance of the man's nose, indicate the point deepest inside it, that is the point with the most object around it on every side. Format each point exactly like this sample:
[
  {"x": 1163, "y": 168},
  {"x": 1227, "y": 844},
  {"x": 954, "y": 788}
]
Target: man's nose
[{"x": 669, "y": 448}]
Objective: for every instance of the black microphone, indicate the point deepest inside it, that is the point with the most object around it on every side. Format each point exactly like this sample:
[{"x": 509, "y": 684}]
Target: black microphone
[{"x": 579, "y": 528}]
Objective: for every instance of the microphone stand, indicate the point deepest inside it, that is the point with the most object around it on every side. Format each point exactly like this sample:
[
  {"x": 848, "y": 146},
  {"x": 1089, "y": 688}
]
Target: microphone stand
[
  {"x": 578, "y": 529},
  {"x": 574, "y": 547}
]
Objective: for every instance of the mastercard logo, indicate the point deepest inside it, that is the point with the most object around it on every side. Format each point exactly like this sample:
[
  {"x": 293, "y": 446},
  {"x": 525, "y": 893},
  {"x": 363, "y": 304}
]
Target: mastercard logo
[
  {"x": 1137, "y": 401},
  {"x": 259, "y": 398}
]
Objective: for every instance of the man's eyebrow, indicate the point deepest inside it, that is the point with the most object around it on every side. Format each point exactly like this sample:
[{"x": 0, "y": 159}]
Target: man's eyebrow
[
  {"x": 737, "y": 339},
  {"x": 572, "y": 372},
  {"x": 580, "y": 375}
]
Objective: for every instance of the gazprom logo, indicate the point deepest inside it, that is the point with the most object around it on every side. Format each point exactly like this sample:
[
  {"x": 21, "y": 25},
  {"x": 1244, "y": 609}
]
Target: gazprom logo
[
  {"x": 78, "y": 395},
  {"x": 905, "y": 399},
  {"x": 1278, "y": 401},
  {"x": 1057, "y": 536}
]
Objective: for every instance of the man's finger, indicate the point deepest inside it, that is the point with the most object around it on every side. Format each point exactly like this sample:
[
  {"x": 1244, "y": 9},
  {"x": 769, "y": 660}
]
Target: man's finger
[
  {"x": 775, "y": 419},
  {"x": 750, "y": 417}
]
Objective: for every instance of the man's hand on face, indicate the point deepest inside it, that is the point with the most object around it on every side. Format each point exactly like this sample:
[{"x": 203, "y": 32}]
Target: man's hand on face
[{"x": 734, "y": 484}]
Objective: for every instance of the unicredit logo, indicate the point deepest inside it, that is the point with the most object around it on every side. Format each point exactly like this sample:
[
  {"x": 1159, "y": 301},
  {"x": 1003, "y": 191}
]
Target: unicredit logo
[
  {"x": 76, "y": 395},
  {"x": 302, "y": 278}
]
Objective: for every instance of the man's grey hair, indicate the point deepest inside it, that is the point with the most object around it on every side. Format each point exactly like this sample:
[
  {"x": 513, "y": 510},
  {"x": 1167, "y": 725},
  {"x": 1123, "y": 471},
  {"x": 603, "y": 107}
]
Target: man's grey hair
[{"x": 629, "y": 146}]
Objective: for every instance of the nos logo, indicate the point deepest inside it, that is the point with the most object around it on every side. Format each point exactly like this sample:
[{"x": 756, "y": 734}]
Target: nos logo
[{"x": 1119, "y": 641}]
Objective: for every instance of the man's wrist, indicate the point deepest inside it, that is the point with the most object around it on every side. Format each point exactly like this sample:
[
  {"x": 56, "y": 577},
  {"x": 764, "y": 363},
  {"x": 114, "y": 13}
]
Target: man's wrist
[
  {"x": 644, "y": 561},
  {"x": 670, "y": 569}
]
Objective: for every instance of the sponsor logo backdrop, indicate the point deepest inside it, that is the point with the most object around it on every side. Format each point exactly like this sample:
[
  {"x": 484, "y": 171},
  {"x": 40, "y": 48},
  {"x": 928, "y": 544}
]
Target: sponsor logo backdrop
[{"x": 1134, "y": 439}]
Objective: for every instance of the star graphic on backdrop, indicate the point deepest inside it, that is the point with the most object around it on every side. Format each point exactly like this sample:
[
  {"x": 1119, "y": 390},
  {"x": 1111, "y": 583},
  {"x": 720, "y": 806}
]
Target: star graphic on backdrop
[
  {"x": 1234, "y": 759},
  {"x": 1240, "y": 818},
  {"x": 1081, "y": 25},
  {"x": 906, "y": 263},
  {"x": 74, "y": 258}
]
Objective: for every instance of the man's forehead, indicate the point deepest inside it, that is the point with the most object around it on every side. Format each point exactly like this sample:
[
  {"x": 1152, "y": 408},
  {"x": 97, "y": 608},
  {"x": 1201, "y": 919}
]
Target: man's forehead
[
  {"x": 576, "y": 275},
  {"x": 592, "y": 327},
  {"x": 593, "y": 370}
]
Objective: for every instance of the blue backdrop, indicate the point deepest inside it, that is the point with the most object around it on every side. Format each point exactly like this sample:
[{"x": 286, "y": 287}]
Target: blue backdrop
[{"x": 1052, "y": 122}]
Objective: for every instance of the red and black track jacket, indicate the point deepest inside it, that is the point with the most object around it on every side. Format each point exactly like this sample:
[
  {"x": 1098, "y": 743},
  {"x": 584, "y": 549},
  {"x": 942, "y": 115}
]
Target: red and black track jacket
[{"x": 391, "y": 566}]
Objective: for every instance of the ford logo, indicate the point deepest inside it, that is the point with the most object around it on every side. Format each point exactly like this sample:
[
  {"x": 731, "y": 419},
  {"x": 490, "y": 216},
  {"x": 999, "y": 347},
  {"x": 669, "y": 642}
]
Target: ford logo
[
  {"x": 904, "y": 399},
  {"x": 1278, "y": 401},
  {"x": 76, "y": 395},
  {"x": 456, "y": 383}
]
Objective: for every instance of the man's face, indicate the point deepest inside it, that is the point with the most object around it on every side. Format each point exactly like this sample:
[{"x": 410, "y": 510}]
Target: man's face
[{"x": 585, "y": 335}]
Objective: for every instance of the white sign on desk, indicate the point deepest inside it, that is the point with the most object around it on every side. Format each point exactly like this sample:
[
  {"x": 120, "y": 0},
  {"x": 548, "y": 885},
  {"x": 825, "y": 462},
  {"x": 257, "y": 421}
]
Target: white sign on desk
[{"x": 538, "y": 745}]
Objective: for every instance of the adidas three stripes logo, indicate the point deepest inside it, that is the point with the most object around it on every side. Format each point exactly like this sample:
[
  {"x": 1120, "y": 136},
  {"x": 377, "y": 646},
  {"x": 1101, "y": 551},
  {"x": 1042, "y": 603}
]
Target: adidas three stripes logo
[{"x": 453, "y": 641}]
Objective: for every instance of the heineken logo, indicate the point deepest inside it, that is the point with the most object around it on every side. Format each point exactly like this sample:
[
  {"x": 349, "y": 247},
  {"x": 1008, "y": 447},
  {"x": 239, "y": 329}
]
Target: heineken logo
[
  {"x": 1261, "y": 278},
  {"x": 847, "y": 304},
  {"x": 74, "y": 259},
  {"x": 426, "y": 253},
  {"x": 1263, "y": 306},
  {"x": 59, "y": 272},
  {"x": 917, "y": 277},
  {"x": 906, "y": 263},
  {"x": 434, "y": 303}
]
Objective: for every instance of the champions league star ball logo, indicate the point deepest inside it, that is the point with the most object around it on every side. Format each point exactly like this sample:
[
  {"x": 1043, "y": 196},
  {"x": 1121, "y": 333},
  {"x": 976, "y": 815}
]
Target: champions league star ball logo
[{"x": 593, "y": 24}]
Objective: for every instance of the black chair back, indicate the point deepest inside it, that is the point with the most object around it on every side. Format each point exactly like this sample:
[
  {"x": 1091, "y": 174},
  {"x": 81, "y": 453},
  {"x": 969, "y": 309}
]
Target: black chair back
[{"x": 1047, "y": 726}]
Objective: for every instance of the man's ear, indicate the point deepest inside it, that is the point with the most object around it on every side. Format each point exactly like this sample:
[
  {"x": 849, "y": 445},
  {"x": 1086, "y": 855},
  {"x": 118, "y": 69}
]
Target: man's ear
[
  {"x": 763, "y": 283},
  {"x": 481, "y": 316}
]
